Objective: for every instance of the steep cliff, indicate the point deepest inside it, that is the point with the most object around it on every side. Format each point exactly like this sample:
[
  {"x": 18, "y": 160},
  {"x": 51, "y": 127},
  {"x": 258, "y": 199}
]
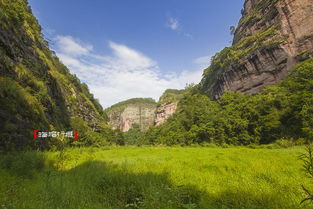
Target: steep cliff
[
  {"x": 36, "y": 90},
  {"x": 167, "y": 105},
  {"x": 164, "y": 111},
  {"x": 126, "y": 114},
  {"x": 271, "y": 37},
  {"x": 144, "y": 112}
]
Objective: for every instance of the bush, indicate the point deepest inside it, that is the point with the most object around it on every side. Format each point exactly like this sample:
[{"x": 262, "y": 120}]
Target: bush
[{"x": 284, "y": 143}]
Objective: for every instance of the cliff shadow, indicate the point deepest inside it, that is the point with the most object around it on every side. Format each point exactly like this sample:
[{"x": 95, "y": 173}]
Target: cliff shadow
[
  {"x": 106, "y": 185},
  {"x": 114, "y": 186}
]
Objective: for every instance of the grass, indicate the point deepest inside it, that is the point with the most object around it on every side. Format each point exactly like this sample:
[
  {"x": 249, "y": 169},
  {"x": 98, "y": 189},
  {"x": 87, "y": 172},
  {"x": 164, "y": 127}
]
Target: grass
[{"x": 154, "y": 177}]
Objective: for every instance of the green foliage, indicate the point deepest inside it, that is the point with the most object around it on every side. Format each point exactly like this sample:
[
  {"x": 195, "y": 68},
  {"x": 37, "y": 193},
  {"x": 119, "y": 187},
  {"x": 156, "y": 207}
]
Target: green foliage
[
  {"x": 88, "y": 137},
  {"x": 262, "y": 12},
  {"x": 134, "y": 136},
  {"x": 232, "y": 30},
  {"x": 114, "y": 137},
  {"x": 121, "y": 105},
  {"x": 17, "y": 13},
  {"x": 171, "y": 95},
  {"x": 12, "y": 91},
  {"x": 282, "y": 111},
  {"x": 307, "y": 159},
  {"x": 21, "y": 104},
  {"x": 250, "y": 19}
]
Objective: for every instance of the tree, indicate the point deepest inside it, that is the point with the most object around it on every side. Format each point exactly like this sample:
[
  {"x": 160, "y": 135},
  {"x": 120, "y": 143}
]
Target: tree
[{"x": 232, "y": 30}]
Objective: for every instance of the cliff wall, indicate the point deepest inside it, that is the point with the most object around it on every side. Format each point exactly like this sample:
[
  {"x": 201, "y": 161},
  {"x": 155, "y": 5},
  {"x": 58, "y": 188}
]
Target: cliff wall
[
  {"x": 164, "y": 112},
  {"x": 36, "y": 90},
  {"x": 139, "y": 111},
  {"x": 271, "y": 37},
  {"x": 144, "y": 112}
]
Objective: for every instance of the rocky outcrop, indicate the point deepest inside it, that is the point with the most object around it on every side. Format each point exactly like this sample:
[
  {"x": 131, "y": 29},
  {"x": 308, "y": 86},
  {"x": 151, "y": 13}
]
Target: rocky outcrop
[
  {"x": 268, "y": 41},
  {"x": 144, "y": 112},
  {"x": 167, "y": 105},
  {"x": 164, "y": 112},
  {"x": 138, "y": 112}
]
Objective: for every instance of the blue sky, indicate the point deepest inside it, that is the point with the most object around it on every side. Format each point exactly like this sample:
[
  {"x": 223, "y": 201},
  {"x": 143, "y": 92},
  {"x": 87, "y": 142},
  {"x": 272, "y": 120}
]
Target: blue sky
[{"x": 136, "y": 48}]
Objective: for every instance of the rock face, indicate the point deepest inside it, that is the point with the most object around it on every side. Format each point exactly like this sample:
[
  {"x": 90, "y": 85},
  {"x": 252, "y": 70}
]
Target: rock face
[
  {"x": 167, "y": 105},
  {"x": 142, "y": 115},
  {"x": 164, "y": 112},
  {"x": 271, "y": 37},
  {"x": 127, "y": 114},
  {"x": 144, "y": 112}
]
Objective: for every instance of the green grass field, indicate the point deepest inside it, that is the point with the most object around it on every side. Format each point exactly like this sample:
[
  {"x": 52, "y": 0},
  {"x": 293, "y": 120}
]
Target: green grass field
[{"x": 154, "y": 178}]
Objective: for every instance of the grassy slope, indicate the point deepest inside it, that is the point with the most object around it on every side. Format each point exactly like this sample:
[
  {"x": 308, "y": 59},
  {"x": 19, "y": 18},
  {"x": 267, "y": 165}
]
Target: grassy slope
[{"x": 154, "y": 178}]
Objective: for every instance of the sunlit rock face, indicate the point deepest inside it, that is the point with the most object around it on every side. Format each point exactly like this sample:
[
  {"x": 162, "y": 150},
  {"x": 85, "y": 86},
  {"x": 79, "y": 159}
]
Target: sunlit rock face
[
  {"x": 144, "y": 112},
  {"x": 270, "y": 54},
  {"x": 164, "y": 112},
  {"x": 126, "y": 117}
]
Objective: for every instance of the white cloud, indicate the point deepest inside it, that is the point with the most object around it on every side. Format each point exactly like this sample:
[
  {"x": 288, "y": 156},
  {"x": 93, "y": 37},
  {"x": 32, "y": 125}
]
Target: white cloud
[
  {"x": 204, "y": 61},
  {"x": 124, "y": 74},
  {"x": 173, "y": 23},
  {"x": 68, "y": 45}
]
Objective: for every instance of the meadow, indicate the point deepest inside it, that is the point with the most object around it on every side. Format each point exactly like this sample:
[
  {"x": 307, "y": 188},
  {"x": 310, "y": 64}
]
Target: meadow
[{"x": 154, "y": 178}]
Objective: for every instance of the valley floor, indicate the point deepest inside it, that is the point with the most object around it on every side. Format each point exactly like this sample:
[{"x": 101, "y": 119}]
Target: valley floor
[{"x": 154, "y": 178}]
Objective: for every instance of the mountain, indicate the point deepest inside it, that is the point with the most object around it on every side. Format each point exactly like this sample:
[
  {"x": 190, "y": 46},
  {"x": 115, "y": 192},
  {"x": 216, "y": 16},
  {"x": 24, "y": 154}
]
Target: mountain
[
  {"x": 124, "y": 115},
  {"x": 36, "y": 90},
  {"x": 271, "y": 37},
  {"x": 143, "y": 112}
]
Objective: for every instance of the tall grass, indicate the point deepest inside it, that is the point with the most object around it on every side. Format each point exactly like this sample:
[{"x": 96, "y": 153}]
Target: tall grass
[{"x": 146, "y": 177}]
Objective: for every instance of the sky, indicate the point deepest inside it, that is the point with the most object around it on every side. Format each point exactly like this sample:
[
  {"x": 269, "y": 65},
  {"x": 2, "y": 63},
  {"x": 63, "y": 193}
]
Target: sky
[{"x": 124, "y": 49}]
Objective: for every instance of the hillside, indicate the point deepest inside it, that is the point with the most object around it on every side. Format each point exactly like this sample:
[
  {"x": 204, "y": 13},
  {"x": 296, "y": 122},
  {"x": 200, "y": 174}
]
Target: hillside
[{"x": 37, "y": 90}]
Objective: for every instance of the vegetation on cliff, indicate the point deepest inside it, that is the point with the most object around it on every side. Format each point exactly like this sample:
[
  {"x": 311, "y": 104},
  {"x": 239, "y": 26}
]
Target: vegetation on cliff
[
  {"x": 171, "y": 95},
  {"x": 263, "y": 11},
  {"x": 37, "y": 90},
  {"x": 118, "y": 107}
]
